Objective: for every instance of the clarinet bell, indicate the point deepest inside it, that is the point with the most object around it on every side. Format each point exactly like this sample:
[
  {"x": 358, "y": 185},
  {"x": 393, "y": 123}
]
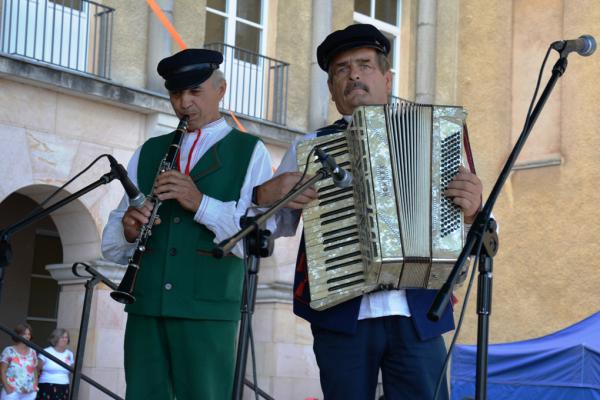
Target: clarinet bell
[{"x": 122, "y": 297}]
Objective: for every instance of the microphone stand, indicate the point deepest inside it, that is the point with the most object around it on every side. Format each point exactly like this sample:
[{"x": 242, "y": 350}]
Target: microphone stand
[
  {"x": 256, "y": 246},
  {"x": 5, "y": 247},
  {"x": 96, "y": 277},
  {"x": 483, "y": 235}
]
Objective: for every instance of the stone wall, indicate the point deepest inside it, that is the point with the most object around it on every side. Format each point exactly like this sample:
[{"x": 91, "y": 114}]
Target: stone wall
[{"x": 545, "y": 275}]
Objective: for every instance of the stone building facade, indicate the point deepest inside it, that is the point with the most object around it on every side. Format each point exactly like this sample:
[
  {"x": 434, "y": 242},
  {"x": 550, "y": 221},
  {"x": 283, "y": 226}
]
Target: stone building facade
[{"x": 55, "y": 118}]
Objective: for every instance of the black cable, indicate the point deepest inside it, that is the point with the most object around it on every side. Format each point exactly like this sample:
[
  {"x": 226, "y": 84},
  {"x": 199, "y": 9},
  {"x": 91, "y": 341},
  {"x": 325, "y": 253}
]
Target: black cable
[
  {"x": 537, "y": 87},
  {"x": 310, "y": 153},
  {"x": 40, "y": 206},
  {"x": 256, "y": 208}
]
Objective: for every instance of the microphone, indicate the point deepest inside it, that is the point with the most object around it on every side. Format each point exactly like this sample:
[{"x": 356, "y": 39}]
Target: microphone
[
  {"x": 341, "y": 177},
  {"x": 136, "y": 198},
  {"x": 585, "y": 46}
]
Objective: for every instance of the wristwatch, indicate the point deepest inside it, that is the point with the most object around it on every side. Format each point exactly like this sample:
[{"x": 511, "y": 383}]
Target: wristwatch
[{"x": 255, "y": 195}]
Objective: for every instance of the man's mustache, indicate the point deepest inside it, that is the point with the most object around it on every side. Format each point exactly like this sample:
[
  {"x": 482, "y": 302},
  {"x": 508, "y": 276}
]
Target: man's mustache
[{"x": 353, "y": 85}]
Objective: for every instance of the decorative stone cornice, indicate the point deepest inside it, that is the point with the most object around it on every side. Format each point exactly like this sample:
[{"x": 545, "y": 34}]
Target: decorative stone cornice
[
  {"x": 267, "y": 131},
  {"x": 53, "y": 77},
  {"x": 274, "y": 292},
  {"x": 63, "y": 273},
  {"x": 76, "y": 83}
]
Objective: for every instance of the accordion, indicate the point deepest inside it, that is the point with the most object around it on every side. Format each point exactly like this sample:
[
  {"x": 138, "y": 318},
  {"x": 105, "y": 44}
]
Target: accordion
[{"x": 394, "y": 228}]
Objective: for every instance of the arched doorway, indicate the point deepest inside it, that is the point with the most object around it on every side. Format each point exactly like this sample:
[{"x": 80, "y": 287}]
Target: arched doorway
[{"x": 29, "y": 293}]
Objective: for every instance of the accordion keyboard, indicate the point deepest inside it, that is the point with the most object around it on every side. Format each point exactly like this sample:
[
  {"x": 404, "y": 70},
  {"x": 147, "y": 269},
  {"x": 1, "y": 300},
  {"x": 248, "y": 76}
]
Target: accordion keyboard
[{"x": 331, "y": 229}]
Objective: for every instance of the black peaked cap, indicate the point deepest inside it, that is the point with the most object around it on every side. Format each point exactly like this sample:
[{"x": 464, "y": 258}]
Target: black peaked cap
[
  {"x": 188, "y": 68},
  {"x": 353, "y": 36}
]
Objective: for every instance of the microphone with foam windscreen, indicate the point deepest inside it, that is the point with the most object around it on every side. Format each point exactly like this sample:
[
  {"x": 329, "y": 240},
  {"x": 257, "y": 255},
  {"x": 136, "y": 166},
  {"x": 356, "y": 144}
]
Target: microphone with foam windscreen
[
  {"x": 136, "y": 198},
  {"x": 584, "y": 45}
]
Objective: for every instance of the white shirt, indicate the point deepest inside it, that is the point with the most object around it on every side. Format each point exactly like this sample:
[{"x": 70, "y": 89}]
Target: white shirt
[
  {"x": 221, "y": 218},
  {"x": 373, "y": 305},
  {"x": 51, "y": 371}
]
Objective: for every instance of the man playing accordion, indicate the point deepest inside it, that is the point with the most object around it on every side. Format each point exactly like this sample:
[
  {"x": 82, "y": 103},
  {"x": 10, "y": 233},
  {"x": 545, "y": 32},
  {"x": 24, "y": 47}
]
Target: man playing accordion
[{"x": 383, "y": 330}]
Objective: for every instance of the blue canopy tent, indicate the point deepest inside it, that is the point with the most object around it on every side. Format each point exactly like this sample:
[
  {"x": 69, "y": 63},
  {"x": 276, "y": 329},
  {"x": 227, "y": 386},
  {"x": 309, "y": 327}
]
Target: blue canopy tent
[{"x": 562, "y": 365}]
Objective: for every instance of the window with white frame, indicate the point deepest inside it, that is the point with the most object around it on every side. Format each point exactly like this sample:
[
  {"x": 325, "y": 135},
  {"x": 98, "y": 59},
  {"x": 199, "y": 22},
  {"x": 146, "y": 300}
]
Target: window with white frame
[
  {"x": 54, "y": 31},
  {"x": 75, "y": 34},
  {"x": 240, "y": 26},
  {"x": 239, "y": 23},
  {"x": 385, "y": 16}
]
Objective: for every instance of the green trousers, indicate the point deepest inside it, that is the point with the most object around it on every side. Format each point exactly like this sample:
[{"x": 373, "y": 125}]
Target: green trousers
[{"x": 186, "y": 359}]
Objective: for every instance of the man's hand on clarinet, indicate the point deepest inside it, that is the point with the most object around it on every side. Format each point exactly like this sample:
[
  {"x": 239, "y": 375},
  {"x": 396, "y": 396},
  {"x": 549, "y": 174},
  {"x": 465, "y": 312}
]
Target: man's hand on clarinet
[
  {"x": 277, "y": 187},
  {"x": 134, "y": 218},
  {"x": 465, "y": 190},
  {"x": 175, "y": 185}
]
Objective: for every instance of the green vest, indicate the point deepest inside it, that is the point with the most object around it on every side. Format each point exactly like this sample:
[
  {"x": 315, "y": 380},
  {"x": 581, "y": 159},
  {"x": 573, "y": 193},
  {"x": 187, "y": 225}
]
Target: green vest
[{"x": 177, "y": 276}]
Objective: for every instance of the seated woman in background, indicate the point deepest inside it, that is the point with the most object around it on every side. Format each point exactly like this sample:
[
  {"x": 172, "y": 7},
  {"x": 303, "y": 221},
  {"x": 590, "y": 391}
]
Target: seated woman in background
[
  {"x": 18, "y": 367},
  {"x": 54, "y": 379}
]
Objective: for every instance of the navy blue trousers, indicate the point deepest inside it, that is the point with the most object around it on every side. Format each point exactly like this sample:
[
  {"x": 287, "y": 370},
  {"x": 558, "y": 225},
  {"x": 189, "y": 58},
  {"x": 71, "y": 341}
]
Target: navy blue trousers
[{"x": 349, "y": 364}]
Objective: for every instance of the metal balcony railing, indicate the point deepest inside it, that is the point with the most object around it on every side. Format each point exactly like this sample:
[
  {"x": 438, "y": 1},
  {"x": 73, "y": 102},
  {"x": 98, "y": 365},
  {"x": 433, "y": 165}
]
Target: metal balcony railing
[
  {"x": 256, "y": 85},
  {"x": 74, "y": 34}
]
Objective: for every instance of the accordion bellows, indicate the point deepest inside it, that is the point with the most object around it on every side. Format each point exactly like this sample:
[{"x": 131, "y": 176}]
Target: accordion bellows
[{"x": 394, "y": 228}]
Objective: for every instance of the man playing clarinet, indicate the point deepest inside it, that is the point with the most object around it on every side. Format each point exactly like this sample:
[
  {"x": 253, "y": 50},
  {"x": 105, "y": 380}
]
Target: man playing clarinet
[{"x": 180, "y": 333}]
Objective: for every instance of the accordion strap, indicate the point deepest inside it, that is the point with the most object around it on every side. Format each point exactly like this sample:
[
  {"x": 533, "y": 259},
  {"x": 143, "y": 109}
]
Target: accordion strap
[{"x": 468, "y": 152}]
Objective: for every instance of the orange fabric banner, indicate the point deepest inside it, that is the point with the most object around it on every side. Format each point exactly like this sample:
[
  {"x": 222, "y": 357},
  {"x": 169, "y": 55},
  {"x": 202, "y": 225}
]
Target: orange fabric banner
[
  {"x": 237, "y": 122},
  {"x": 166, "y": 23}
]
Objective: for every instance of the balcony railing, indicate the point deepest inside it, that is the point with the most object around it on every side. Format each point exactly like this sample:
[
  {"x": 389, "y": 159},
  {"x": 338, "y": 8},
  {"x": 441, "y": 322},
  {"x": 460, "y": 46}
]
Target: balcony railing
[
  {"x": 257, "y": 85},
  {"x": 75, "y": 34},
  {"x": 395, "y": 99}
]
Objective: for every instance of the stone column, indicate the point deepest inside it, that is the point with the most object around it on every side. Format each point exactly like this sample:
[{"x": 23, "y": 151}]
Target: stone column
[
  {"x": 103, "y": 357},
  {"x": 319, "y": 94},
  {"x": 426, "y": 55},
  {"x": 159, "y": 45}
]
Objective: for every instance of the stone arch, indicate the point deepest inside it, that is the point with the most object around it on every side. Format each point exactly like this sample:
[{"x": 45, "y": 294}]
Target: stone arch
[
  {"x": 75, "y": 224},
  {"x": 36, "y": 162},
  {"x": 66, "y": 235}
]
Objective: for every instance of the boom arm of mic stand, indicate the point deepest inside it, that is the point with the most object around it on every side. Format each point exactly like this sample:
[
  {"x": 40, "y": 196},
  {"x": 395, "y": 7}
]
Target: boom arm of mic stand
[
  {"x": 5, "y": 248},
  {"x": 225, "y": 246},
  {"x": 477, "y": 229},
  {"x": 5, "y": 234}
]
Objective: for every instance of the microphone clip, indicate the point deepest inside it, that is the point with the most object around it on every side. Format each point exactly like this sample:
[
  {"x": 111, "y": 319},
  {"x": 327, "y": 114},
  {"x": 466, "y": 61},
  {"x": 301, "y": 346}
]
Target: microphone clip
[
  {"x": 584, "y": 45},
  {"x": 136, "y": 198},
  {"x": 341, "y": 177}
]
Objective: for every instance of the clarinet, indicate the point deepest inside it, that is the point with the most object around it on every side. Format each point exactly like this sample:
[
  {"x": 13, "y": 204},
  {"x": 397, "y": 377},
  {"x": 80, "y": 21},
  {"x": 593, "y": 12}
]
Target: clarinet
[{"x": 123, "y": 294}]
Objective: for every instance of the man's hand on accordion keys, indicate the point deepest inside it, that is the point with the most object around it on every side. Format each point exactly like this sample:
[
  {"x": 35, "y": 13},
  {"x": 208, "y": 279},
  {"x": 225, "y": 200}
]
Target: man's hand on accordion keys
[
  {"x": 280, "y": 185},
  {"x": 466, "y": 190}
]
